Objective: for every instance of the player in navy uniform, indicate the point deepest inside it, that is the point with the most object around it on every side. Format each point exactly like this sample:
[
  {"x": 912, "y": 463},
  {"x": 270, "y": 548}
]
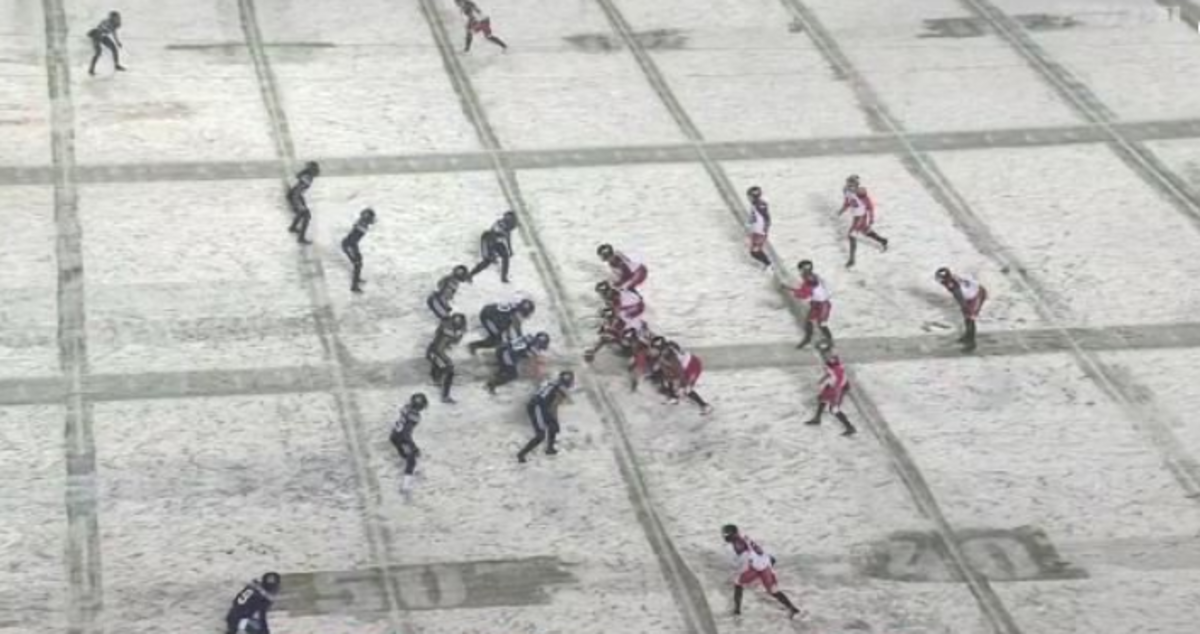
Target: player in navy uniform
[
  {"x": 543, "y": 412},
  {"x": 511, "y": 354},
  {"x": 402, "y": 436},
  {"x": 350, "y": 246},
  {"x": 501, "y": 322},
  {"x": 248, "y": 614},
  {"x": 295, "y": 198},
  {"x": 441, "y": 368},
  {"x": 495, "y": 245},
  {"x": 439, "y": 300},
  {"x": 105, "y": 34}
]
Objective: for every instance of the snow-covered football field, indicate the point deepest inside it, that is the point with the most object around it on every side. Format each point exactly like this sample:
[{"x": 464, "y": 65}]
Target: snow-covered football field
[{"x": 189, "y": 399}]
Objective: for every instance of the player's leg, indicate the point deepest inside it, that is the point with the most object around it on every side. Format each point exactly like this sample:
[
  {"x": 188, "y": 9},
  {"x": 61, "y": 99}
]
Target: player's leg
[
  {"x": 835, "y": 408},
  {"x": 539, "y": 434},
  {"x": 853, "y": 250},
  {"x": 816, "y": 419},
  {"x": 112, "y": 48},
  {"x": 96, "y": 51},
  {"x": 447, "y": 372},
  {"x": 551, "y": 434}
]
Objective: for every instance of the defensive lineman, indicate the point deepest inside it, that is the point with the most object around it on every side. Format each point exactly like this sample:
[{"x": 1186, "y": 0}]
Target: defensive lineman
[
  {"x": 543, "y": 413},
  {"x": 248, "y": 614},
  {"x": 502, "y": 323},
  {"x": 105, "y": 35},
  {"x": 350, "y": 246},
  {"x": 495, "y": 245},
  {"x": 402, "y": 437},
  {"x": 295, "y": 197},
  {"x": 449, "y": 332}
]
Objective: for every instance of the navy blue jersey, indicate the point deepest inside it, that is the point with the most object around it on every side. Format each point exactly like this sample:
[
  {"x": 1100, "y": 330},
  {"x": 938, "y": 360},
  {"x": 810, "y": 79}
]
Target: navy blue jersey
[
  {"x": 304, "y": 180},
  {"x": 251, "y": 603},
  {"x": 445, "y": 337},
  {"x": 501, "y": 317},
  {"x": 550, "y": 395},
  {"x": 407, "y": 422},
  {"x": 107, "y": 28},
  {"x": 356, "y": 234},
  {"x": 502, "y": 231},
  {"x": 518, "y": 350},
  {"x": 447, "y": 287}
]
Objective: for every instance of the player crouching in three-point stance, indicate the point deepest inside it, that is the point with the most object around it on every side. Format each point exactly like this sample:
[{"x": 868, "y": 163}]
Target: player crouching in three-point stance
[
  {"x": 820, "y": 306},
  {"x": 834, "y": 386},
  {"x": 248, "y": 614},
  {"x": 543, "y": 412},
  {"x": 402, "y": 437},
  {"x": 681, "y": 371},
  {"x": 754, "y": 565},
  {"x": 970, "y": 296}
]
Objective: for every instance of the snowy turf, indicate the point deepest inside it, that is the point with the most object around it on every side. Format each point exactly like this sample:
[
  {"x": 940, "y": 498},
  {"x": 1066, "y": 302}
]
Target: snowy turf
[{"x": 197, "y": 495}]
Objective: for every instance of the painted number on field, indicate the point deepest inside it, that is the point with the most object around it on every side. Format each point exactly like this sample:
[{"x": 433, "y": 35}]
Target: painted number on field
[{"x": 1021, "y": 554}]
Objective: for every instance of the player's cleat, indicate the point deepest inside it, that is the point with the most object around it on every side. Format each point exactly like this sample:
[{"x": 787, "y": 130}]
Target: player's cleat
[
  {"x": 850, "y": 431},
  {"x": 550, "y": 451},
  {"x": 706, "y": 410},
  {"x": 521, "y": 458},
  {"x": 813, "y": 421},
  {"x": 449, "y": 400}
]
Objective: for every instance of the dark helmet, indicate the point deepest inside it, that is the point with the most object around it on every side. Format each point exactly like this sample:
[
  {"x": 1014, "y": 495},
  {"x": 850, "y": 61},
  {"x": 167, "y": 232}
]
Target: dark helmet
[
  {"x": 271, "y": 582},
  {"x": 659, "y": 342},
  {"x": 607, "y": 313},
  {"x": 510, "y": 219},
  {"x": 312, "y": 168},
  {"x": 458, "y": 321},
  {"x": 605, "y": 251},
  {"x": 115, "y": 16},
  {"x": 805, "y": 266},
  {"x": 754, "y": 193},
  {"x": 541, "y": 340},
  {"x": 852, "y": 180},
  {"x": 942, "y": 274},
  {"x": 418, "y": 401},
  {"x": 605, "y": 289},
  {"x": 629, "y": 335},
  {"x": 566, "y": 378},
  {"x": 729, "y": 532},
  {"x": 367, "y": 214},
  {"x": 461, "y": 273},
  {"x": 525, "y": 307}
]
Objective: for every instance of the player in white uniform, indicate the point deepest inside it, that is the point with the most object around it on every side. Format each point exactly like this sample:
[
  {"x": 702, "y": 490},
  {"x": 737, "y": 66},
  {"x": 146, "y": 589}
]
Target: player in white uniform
[
  {"x": 857, "y": 201},
  {"x": 970, "y": 296}
]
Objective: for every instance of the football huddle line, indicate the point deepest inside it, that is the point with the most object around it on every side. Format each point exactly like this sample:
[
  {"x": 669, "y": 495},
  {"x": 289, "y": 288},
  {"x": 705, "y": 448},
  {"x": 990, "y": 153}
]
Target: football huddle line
[
  {"x": 671, "y": 153},
  {"x": 368, "y": 491}
]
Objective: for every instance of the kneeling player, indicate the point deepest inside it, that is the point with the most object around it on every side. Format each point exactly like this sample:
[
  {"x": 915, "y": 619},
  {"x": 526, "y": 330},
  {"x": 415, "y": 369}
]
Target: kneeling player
[
  {"x": 754, "y": 566},
  {"x": 543, "y": 413},
  {"x": 834, "y": 386},
  {"x": 248, "y": 614},
  {"x": 510, "y": 355},
  {"x": 441, "y": 368}
]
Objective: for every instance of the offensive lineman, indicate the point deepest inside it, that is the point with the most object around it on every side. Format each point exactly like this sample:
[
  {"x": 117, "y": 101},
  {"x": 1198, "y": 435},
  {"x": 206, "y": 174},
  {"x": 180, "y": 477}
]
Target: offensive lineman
[
  {"x": 754, "y": 565},
  {"x": 441, "y": 369},
  {"x": 543, "y": 412},
  {"x": 502, "y": 323},
  {"x": 295, "y": 198},
  {"x": 248, "y": 614},
  {"x": 510, "y": 355},
  {"x": 350, "y": 246},
  {"x": 402, "y": 437},
  {"x": 495, "y": 245}
]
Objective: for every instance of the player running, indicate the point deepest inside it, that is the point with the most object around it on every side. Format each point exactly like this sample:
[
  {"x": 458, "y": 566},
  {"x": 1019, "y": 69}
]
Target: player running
[
  {"x": 857, "y": 201},
  {"x": 754, "y": 566}
]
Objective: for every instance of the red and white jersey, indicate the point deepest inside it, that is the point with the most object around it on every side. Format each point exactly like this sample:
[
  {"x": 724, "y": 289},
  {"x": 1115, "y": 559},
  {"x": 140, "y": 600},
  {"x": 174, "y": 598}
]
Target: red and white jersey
[
  {"x": 628, "y": 305},
  {"x": 835, "y": 376},
  {"x": 626, "y": 269},
  {"x": 968, "y": 287},
  {"x": 813, "y": 289},
  {"x": 759, "y": 220},
  {"x": 749, "y": 555},
  {"x": 858, "y": 202}
]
